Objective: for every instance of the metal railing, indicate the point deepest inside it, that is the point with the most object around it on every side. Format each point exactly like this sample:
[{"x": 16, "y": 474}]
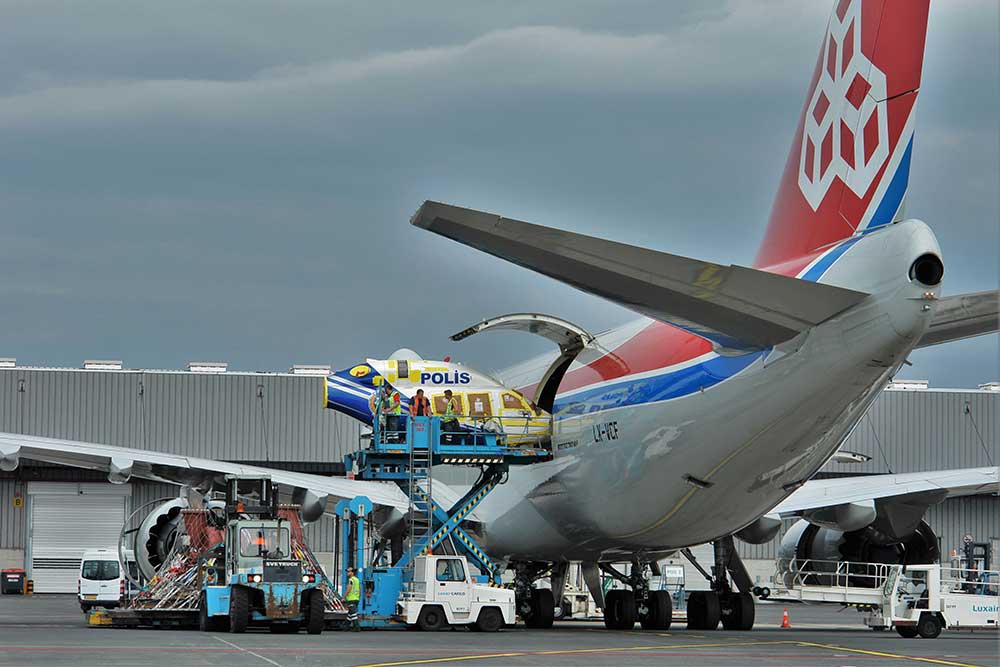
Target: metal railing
[
  {"x": 799, "y": 572},
  {"x": 474, "y": 430},
  {"x": 510, "y": 431},
  {"x": 796, "y": 574},
  {"x": 970, "y": 580}
]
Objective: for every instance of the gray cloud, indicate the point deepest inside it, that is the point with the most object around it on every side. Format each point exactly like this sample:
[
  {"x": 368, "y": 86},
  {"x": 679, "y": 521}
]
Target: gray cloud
[
  {"x": 525, "y": 60},
  {"x": 233, "y": 181}
]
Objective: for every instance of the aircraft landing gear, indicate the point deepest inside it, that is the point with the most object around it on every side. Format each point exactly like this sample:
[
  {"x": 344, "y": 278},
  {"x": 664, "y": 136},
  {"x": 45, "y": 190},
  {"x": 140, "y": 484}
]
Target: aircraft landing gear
[
  {"x": 703, "y": 610},
  {"x": 623, "y": 607},
  {"x": 536, "y": 605},
  {"x": 734, "y": 607},
  {"x": 737, "y": 610},
  {"x": 619, "y": 609}
]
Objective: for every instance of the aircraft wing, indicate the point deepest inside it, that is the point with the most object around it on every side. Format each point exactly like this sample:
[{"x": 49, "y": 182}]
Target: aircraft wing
[
  {"x": 819, "y": 494},
  {"x": 733, "y": 306},
  {"x": 121, "y": 463},
  {"x": 963, "y": 316}
]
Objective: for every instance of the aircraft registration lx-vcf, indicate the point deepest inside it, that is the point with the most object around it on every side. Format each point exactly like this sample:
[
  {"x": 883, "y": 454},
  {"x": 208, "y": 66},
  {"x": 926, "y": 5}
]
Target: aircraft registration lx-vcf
[{"x": 705, "y": 419}]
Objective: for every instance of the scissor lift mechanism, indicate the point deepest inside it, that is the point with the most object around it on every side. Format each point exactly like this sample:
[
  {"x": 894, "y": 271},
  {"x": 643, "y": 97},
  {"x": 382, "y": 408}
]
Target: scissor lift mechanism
[{"x": 393, "y": 461}]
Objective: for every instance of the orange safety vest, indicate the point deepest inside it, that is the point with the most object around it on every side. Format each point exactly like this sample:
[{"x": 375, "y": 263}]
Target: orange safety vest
[{"x": 422, "y": 402}]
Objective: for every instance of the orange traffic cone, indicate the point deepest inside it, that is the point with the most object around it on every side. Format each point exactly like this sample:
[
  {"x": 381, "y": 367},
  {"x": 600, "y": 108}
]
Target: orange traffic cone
[{"x": 784, "y": 620}]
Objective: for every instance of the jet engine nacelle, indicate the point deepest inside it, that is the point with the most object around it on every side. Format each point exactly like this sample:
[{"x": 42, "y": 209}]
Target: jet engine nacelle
[
  {"x": 761, "y": 531},
  {"x": 120, "y": 470},
  {"x": 311, "y": 506},
  {"x": 845, "y": 517},
  {"x": 10, "y": 458},
  {"x": 814, "y": 554},
  {"x": 156, "y": 535}
]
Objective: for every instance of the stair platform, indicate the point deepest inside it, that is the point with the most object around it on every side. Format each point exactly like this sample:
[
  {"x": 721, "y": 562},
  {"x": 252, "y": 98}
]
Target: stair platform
[{"x": 389, "y": 455}]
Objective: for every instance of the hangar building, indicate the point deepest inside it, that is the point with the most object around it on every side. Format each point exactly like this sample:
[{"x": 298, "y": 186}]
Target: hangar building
[{"x": 50, "y": 514}]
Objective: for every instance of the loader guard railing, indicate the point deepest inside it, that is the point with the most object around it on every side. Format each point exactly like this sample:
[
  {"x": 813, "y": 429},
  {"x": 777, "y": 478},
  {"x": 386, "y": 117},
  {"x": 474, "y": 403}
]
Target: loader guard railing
[
  {"x": 800, "y": 572},
  {"x": 469, "y": 430},
  {"x": 797, "y": 573}
]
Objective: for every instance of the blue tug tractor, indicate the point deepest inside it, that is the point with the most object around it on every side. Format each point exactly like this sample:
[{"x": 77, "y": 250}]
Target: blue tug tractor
[{"x": 253, "y": 577}]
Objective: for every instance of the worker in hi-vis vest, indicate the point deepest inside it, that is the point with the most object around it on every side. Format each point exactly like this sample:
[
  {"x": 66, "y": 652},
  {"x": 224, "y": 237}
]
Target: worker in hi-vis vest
[
  {"x": 392, "y": 409},
  {"x": 352, "y": 598},
  {"x": 450, "y": 428},
  {"x": 419, "y": 405}
]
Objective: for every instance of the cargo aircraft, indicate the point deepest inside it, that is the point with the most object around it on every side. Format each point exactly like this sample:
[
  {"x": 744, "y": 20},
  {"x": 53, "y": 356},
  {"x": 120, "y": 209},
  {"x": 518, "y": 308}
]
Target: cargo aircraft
[{"x": 707, "y": 418}]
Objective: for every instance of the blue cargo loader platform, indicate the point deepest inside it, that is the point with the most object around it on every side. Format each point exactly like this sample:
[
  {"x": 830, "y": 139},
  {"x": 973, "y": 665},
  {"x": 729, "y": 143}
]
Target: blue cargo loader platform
[{"x": 405, "y": 457}]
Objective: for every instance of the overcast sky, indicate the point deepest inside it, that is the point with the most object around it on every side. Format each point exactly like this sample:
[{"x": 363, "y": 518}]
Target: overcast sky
[{"x": 233, "y": 180}]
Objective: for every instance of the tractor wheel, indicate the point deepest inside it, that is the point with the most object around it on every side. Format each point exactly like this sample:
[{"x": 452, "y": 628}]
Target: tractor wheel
[
  {"x": 929, "y": 626},
  {"x": 490, "y": 620},
  {"x": 239, "y": 609},
  {"x": 205, "y": 622},
  {"x": 315, "y": 613},
  {"x": 431, "y": 619}
]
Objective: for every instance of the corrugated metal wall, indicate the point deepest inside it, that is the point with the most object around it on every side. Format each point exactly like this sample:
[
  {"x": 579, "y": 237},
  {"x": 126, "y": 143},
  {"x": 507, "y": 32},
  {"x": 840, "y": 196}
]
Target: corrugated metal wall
[
  {"x": 250, "y": 417},
  {"x": 916, "y": 430},
  {"x": 260, "y": 417},
  {"x": 230, "y": 416},
  {"x": 12, "y": 519},
  {"x": 978, "y": 516}
]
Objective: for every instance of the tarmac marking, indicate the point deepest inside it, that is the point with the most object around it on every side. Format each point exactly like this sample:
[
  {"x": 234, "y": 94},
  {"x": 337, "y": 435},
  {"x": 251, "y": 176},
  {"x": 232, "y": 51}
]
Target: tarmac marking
[
  {"x": 578, "y": 651},
  {"x": 658, "y": 647},
  {"x": 248, "y": 651},
  {"x": 454, "y": 658},
  {"x": 897, "y": 656}
]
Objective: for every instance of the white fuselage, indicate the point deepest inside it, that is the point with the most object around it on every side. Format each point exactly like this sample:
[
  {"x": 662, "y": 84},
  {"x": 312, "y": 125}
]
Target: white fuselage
[{"x": 652, "y": 476}]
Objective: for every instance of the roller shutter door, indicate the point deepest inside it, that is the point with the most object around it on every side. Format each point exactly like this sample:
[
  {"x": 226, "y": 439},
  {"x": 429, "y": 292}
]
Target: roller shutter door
[{"x": 66, "y": 521}]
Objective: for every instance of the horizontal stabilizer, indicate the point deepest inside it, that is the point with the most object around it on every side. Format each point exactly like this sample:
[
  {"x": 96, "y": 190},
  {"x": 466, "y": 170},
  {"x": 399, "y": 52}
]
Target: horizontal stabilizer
[
  {"x": 963, "y": 316},
  {"x": 733, "y": 306}
]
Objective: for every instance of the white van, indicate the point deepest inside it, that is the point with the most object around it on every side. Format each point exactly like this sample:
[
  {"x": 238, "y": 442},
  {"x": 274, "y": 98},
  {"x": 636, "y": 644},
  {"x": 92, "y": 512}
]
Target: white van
[{"x": 101, "y": 582}]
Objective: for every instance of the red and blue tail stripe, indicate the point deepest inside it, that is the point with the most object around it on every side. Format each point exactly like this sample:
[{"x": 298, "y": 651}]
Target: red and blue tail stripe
[
  {"x": 846, "y": 175},
  {"x": 849, "y": 164}
]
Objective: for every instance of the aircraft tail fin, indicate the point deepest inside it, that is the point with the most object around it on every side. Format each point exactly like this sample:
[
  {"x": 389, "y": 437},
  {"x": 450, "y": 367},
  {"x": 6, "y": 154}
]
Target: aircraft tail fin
[{"x": 848, "y": 168}]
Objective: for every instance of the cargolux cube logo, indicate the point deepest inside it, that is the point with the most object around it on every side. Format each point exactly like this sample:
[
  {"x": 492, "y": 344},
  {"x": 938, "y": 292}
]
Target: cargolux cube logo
[{"x": 846, "y": 131}]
